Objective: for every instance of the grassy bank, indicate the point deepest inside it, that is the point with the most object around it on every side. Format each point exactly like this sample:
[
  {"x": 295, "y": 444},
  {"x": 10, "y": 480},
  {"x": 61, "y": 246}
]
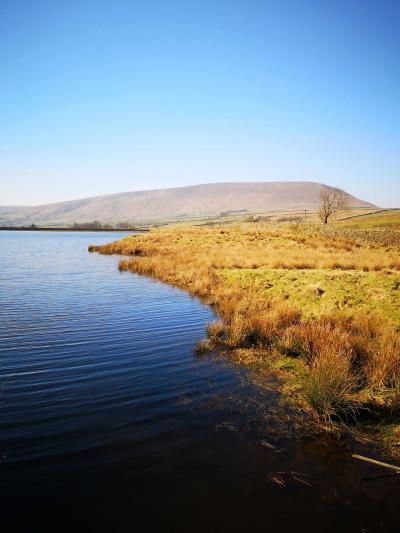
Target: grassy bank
[{"x": 320, "y": 304}]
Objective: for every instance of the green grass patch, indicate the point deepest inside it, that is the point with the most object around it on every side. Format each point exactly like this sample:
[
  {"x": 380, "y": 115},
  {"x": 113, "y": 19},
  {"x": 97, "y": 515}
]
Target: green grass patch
[{"x": 321, "y": 292}]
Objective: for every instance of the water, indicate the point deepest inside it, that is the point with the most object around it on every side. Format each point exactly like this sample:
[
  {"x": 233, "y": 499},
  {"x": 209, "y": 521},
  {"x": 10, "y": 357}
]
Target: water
[{"x": 108, "y": 419}]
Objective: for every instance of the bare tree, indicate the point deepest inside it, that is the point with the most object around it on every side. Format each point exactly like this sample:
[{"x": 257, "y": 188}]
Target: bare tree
[{"x": 331, "y": 201}]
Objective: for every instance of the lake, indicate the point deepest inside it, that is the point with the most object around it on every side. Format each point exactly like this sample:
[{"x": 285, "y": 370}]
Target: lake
[{"x": 109, "y": 420}]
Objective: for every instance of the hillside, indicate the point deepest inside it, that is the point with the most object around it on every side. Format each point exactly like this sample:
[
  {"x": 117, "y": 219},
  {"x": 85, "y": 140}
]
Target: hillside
[{"x": 198, "y": 200}]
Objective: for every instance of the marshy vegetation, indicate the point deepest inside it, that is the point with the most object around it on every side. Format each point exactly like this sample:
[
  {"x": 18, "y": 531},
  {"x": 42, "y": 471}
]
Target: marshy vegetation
[{"x": 320, "y": 304}]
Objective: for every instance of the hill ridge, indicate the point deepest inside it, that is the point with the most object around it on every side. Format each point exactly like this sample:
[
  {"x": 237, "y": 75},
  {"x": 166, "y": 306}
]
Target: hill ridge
[{"x": 206, "y": 199}]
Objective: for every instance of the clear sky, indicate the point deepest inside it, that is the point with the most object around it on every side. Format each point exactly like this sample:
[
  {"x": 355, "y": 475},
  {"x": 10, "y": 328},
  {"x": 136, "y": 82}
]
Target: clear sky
[{"x": 102, "y": 96}]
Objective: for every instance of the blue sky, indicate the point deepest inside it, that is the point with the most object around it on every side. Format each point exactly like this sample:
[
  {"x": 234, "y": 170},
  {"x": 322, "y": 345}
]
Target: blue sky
[{"x": 109, "y": 96}]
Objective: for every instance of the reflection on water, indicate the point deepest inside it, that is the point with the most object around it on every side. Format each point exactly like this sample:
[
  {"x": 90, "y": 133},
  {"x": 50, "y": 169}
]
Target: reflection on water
[{"x": 108, "y": 419}]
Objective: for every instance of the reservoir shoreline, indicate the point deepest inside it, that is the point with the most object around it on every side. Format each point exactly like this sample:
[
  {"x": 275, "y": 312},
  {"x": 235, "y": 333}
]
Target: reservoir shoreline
[
  {"x": 281, "y": 293},
  {"x": 100, "y": 230}
]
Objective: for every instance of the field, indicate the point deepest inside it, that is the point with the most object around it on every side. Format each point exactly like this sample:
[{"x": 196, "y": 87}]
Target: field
[
  {"x": 387, "y": 218},
  {"x": 321, "y": 304}
]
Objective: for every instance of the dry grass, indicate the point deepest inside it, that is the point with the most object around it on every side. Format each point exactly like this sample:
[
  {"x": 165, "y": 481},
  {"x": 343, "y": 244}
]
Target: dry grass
[
  {"x": 344, "y": 357},
  {"x": 290, "y": 246},
  {"x": 330, "y": 385}
]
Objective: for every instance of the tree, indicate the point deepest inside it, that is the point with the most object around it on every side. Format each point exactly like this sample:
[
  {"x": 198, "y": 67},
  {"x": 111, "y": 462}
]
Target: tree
[{"x": 331, "y": 201}]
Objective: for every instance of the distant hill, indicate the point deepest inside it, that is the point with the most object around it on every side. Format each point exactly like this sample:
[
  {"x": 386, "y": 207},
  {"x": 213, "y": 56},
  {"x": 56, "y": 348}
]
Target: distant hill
[
  {"x": 198, "y": 200},
  {"x": 8, "y": 208}
]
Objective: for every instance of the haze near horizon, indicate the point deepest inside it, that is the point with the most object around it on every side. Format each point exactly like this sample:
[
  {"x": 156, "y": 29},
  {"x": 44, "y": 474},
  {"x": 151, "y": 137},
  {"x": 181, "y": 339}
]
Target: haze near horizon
[{"x": 100, "y": 97}]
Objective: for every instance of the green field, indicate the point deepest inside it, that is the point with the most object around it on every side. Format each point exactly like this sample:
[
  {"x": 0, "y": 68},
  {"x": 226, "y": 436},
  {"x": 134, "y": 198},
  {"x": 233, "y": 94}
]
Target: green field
[
  {"x": 322, "y": 292},
  {"x": 389, "y": 218}
]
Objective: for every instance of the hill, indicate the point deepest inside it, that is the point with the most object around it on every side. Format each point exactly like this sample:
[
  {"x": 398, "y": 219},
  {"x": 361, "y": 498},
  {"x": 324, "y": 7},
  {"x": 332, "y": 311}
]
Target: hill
[{"x": 194, "y": 201}]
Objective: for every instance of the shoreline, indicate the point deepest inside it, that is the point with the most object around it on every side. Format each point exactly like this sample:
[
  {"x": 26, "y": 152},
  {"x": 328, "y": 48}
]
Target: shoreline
[
  {"x": 313, "y": 304},
  {"x": 109, "y": 230}
]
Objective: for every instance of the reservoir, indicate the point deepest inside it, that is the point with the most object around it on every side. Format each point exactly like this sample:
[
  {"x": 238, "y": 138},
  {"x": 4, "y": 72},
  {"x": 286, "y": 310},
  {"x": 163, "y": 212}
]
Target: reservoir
[{"x": 109, "y": 420}]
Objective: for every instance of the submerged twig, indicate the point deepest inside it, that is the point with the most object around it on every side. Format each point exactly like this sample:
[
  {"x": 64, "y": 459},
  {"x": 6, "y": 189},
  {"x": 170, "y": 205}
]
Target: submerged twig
[
  {"x": 278, "y": 478},
  {"x": 375, "y": 462}
]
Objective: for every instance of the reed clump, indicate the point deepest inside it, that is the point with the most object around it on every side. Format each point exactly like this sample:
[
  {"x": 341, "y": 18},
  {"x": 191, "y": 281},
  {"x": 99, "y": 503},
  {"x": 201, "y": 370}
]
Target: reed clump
[
  {"x": 290, "y": 291},
  {"x": 330, "y": 385}
]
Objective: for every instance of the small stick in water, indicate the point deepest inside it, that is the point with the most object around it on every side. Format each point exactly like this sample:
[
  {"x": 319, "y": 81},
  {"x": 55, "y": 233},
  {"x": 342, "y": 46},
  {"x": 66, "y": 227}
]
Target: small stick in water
[{"x": 379, "y": 463}]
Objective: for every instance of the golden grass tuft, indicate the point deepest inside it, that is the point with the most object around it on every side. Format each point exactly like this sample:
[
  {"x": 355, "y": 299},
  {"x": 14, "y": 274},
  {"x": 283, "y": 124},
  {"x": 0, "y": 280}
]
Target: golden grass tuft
[{"x": 330, "y": 385}]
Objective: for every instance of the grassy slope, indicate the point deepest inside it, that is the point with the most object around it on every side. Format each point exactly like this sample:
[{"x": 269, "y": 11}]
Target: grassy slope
[
  {"x": 322, "y": 303},
  {"x": 389, "y": 218}
]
